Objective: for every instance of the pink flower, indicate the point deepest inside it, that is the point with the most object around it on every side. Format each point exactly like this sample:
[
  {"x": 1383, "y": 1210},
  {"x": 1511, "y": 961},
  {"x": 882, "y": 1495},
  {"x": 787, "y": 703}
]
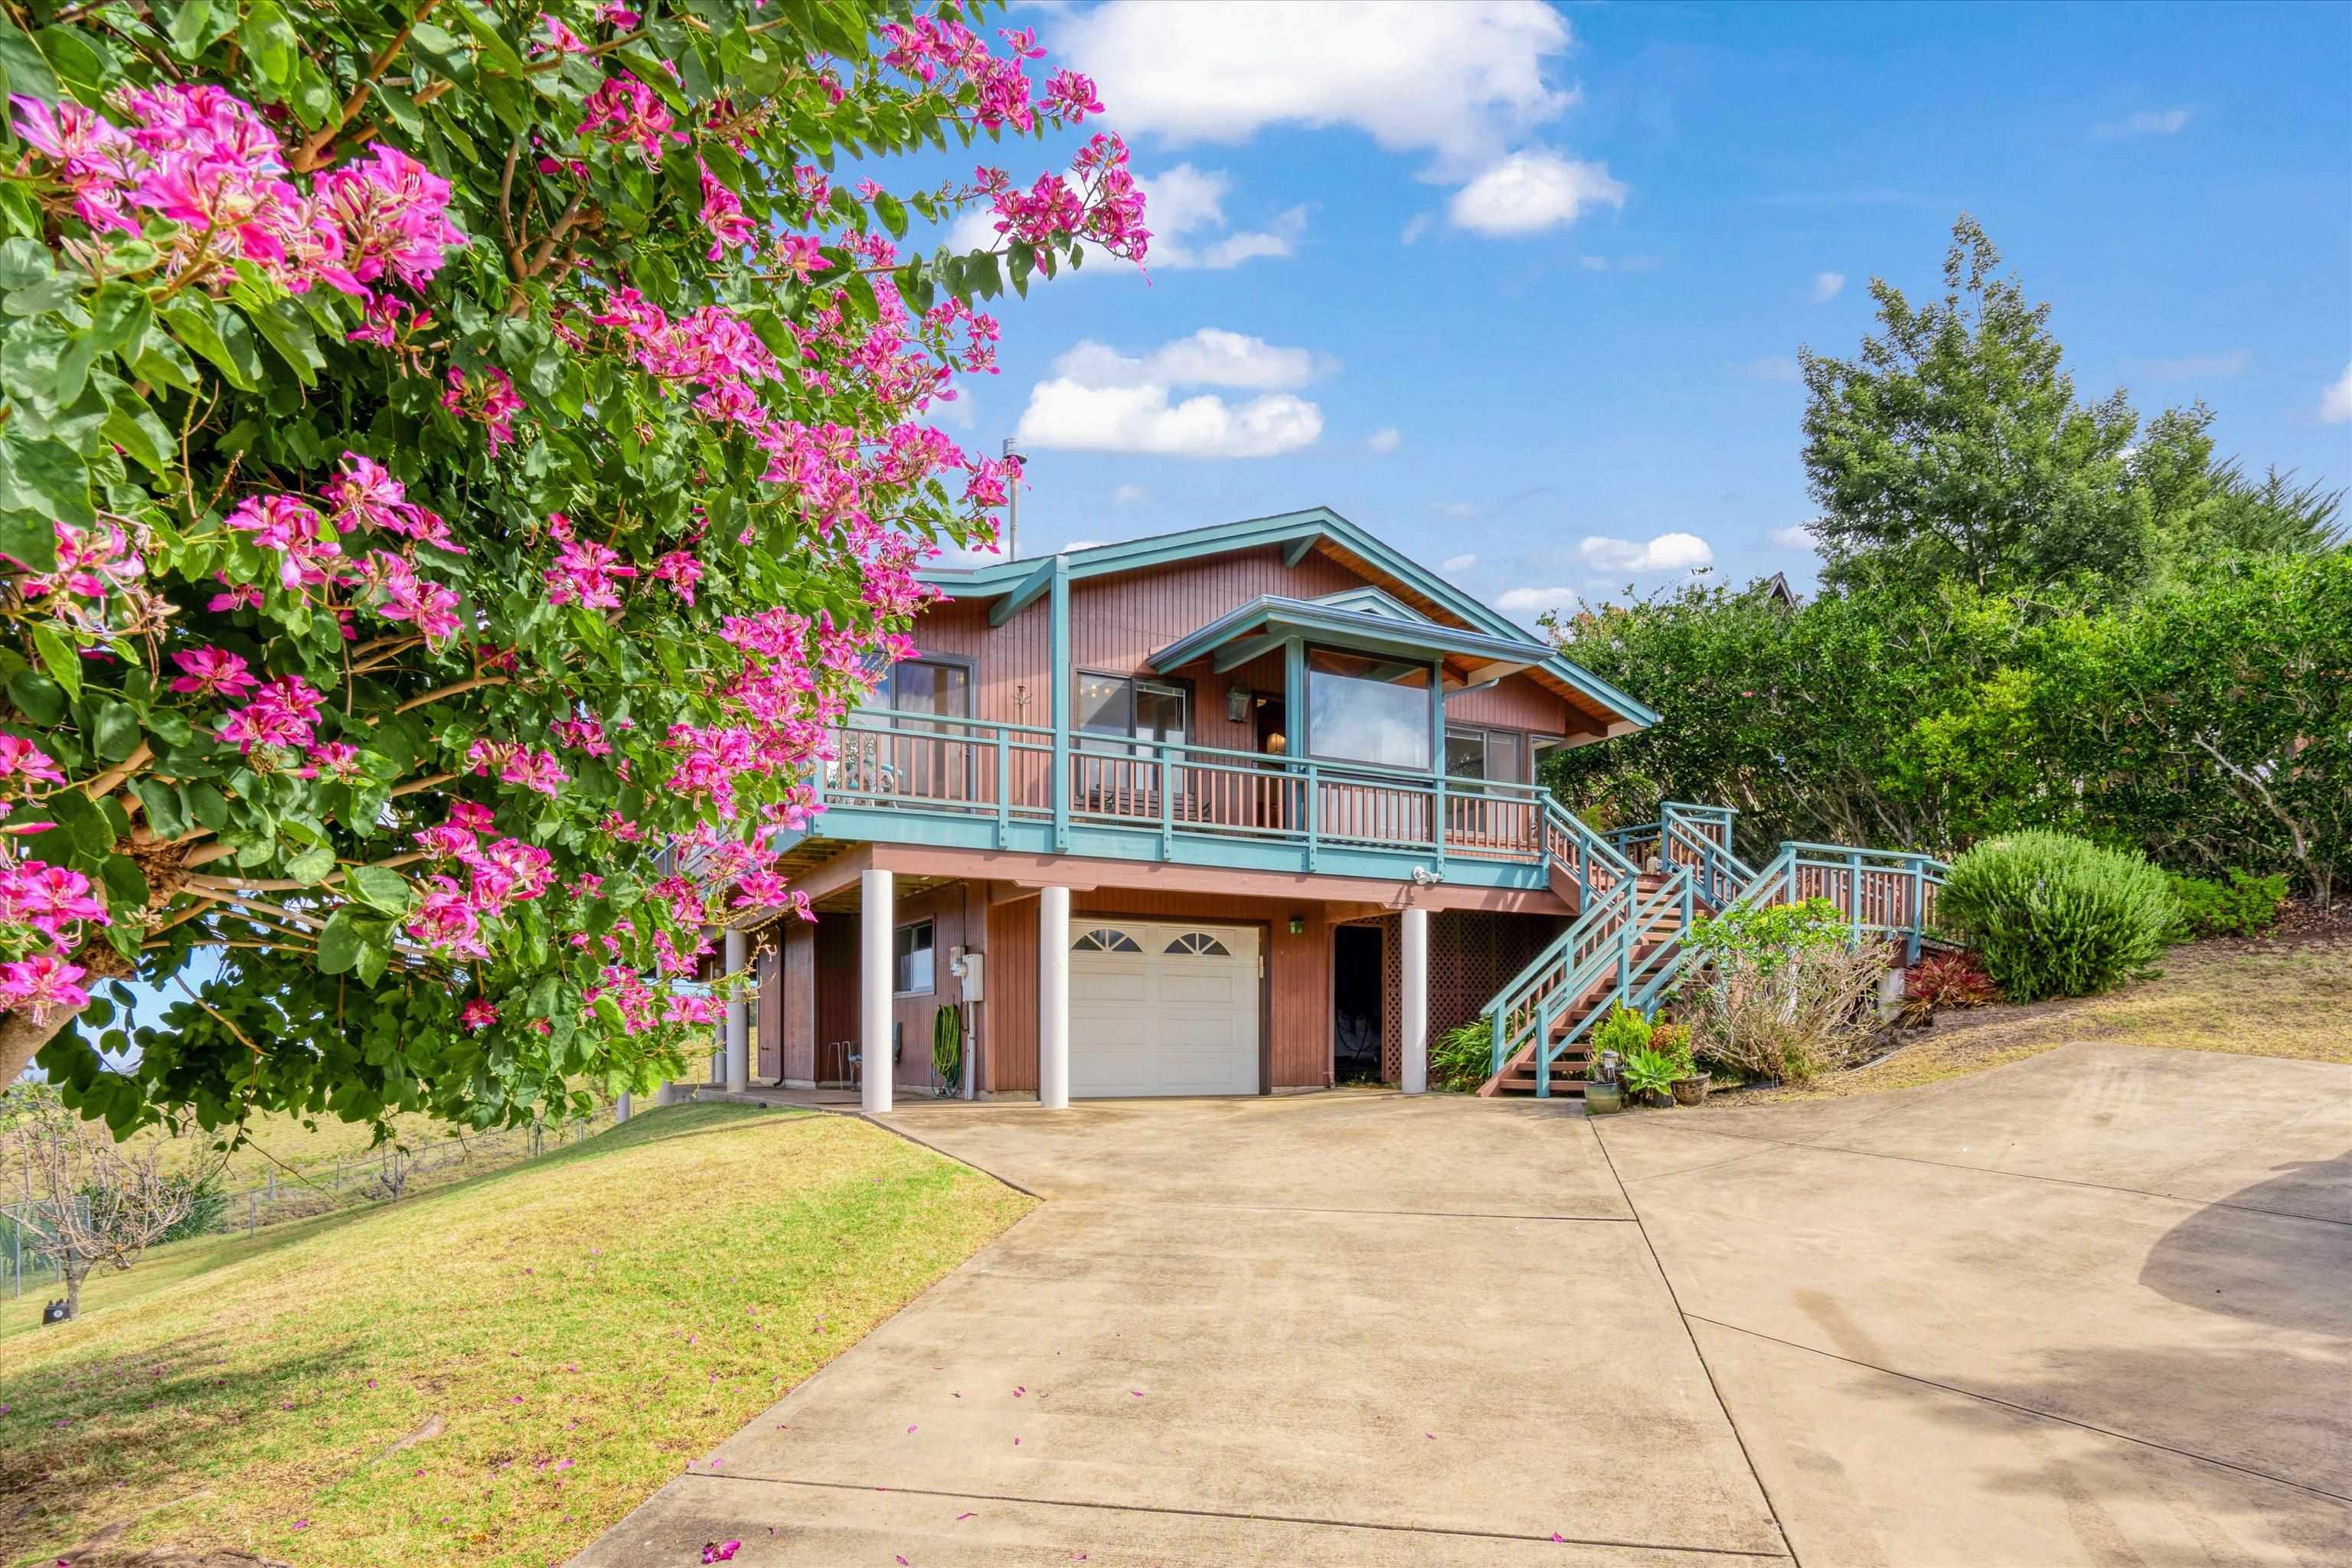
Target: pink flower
[
  {"x": 392, "y": 211},
  {"x": 429, "y": 607},
  {"x": 587, "y": 573},
  {"x": 445, "y": 920},
  {"x": 211, "y": 672},
  {"x": 490, "y": 398},
  {"x": 626, "y": 113},
  {"x": 19, "y": 758},
  {"x": 681, "y": 571},
  {"x": 281, "y": 714},
  {"x": 478, "y": 1014},
  {"x": 336, "y": 760},
  {"x": 723, "y": 1552},
  {"x": 42, "y": 982},
  {"x": 722, "y": 214}
]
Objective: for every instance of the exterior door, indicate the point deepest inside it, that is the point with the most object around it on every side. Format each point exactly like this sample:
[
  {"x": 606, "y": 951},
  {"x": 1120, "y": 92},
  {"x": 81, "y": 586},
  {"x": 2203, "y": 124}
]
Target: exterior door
[{"x": 1162, "y": 1008}]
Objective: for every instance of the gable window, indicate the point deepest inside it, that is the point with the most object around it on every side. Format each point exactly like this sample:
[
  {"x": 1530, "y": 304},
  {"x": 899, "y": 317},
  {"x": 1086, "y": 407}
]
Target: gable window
[
  {"x": 1498, "y": 756},
  {"x": 911, "y": 960},
  {"x": 1368, "y": 709},
  {"x": 1130, "y": 708}
]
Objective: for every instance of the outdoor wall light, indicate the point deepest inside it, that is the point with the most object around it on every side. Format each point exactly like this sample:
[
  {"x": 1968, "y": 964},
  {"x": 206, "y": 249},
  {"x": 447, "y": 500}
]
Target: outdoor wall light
[
  {"x": 1299, "y": 925},
  {"x": 1237, "y": 702}
]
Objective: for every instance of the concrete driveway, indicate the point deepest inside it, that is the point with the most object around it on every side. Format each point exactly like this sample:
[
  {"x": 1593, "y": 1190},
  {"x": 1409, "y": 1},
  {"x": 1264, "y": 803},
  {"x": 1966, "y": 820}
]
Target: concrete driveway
[{"x": 2089, "y": 1309}]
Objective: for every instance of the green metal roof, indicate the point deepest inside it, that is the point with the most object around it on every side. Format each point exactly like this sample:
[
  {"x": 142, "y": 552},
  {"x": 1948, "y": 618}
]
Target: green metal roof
[
  {"x": 1024, "y": 580},
  {"x": 1274, "y": 615}
]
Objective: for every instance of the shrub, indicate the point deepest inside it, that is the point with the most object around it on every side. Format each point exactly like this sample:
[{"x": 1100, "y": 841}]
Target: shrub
[
  {"x": 1673, "y": 1041},
  {"x": 2239, "y": 907},
  {"x": 1624, "y": 1031},
  {"x": 1778, "y": 992},
  {"x": 2055, "y": 916},
  {"x": 1946, "y": 980},
  {"x": 1462, "y": 1059},
  {"x": 207, "y": 1205},
  {"x": 1647, "y": 1072}
]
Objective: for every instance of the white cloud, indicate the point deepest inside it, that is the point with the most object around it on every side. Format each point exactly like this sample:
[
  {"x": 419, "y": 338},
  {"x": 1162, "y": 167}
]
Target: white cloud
[
  {"x": 1826, "y": 286},
  {"x": 951, "y": 409},
  {"x": 1100, "y": 400},
  {"x": 1455, "y": 565},
  {"x": 2147, "y": 123},
  {"x": 1460, "y": 81},
  {"x": 1415, "y": 226},
  {"x": 1126, "y": 495},
  {"x": 1593, "y": 263},
  {"x": 1795, "y": 536},
  {"x": 2336, "y": 403},
  {"x": 1457, "y": 509},
  {"x": 1210, "y": 357},
  {"x": 1384, "y": 440},
  {"x": 1086, "y": 544},
  {"x": 1531, "y": 191},
  {"x": 1526, "y": 601},
  {"x": 1666, "y": 552}
]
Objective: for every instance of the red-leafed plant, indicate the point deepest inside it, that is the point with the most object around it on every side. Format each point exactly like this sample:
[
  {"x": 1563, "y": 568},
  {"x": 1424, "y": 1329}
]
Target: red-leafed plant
[{"x": 1946, "y": 980}]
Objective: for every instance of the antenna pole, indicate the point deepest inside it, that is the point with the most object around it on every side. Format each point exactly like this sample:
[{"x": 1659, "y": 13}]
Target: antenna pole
[{"x": 1012, "y": 508}]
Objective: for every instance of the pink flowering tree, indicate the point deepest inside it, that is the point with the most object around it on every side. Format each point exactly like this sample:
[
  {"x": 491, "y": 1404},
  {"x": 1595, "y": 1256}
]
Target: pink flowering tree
[{"x": 457, "y": 464}]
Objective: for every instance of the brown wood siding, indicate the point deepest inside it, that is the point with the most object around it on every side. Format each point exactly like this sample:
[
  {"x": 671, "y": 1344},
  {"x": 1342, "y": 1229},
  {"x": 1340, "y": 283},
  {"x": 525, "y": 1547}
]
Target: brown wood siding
[
  {"x": 915, "y": 1016},
  {"x": 798, "y": 1000},
  {"x": 1009, "y": 1048},
  {"x": 1514, "y": 702}
]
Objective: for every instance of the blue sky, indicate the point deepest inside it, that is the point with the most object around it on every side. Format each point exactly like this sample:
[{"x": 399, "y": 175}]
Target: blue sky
[{"x": 1527, "y": 283}]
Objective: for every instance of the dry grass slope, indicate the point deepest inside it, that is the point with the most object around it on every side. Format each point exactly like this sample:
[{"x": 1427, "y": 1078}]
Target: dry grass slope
[
  {"x": 2284, "y": 997},
  {"x": 558, "y": 1339}
]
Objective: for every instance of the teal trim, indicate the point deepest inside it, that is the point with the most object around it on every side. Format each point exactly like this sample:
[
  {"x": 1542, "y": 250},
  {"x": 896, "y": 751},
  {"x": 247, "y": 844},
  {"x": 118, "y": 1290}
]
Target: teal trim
[
  {"x": 1297, "y": 550},
  {"x": 1060, "y": 567},
  {"x": 1372, "y": 602},
  {"x": 1294, "y": 695},
  {"x": 1021, "y": 598},
  {"x": 1335, "y": 626},
  {"x": 1287, "y": 529}
]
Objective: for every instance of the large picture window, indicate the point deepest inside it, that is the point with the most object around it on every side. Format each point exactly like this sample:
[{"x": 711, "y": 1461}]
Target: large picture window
[
  {"x": 926, "y": 686},
  {"x": 911, "y": 960},
  {"x": 1362, "y": 710}
]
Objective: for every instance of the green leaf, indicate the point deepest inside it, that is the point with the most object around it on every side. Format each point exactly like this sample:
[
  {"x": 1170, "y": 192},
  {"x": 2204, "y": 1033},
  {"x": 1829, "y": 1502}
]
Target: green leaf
[
  {"x": 313, "y": 865},
  {"x": 166, "y": 817},
  {"x": 80, "y": 821},
  {"x": 118, "y": 314},
  {"x": 44, "y": 475},
  {"x": 207, "y": 806},
  {"x": 28, "y": 73},
  {"x": 269, "y": 41},
  {"x": 373, "y": 956},
  {"x": 113, "y": 731},
  {"x": 190, "y": 28},
  {"x": 892, "y": 212},
  {"x": 126, "y": 885},
  {"x": 36, "y": 697},
  {"x": 340, "y": 942},
  {"x": 28, "y": 536},
  {"x": 57, "y": 655},
  {"x": 132, "y": 425},
  {"x": 221, "y": 335},
  {"x": 380, "y": 886},
  {"x": 287, "y": 330}
]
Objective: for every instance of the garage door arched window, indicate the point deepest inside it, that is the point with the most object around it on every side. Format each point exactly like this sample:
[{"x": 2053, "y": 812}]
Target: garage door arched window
[
  {"x": 1105, "y": 939},
  {"x": 1199, "y": 943}
]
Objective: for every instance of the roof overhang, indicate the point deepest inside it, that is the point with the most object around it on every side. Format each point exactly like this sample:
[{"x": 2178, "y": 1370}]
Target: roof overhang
[
  {"x": 1015, "y": 585},
  {"x": 1470, "y": 658}
]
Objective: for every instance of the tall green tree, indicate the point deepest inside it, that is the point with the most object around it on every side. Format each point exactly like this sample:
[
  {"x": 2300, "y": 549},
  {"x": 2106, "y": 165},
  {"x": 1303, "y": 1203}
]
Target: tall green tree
[{"x": 1953, "y": 446}]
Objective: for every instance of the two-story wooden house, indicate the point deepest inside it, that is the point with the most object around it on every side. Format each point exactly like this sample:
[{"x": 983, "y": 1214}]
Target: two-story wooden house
[{"x": 1239, "y": 810}]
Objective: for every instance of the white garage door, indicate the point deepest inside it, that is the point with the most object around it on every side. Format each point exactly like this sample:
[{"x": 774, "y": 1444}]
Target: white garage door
[{"x": 1162, "y": 1009}]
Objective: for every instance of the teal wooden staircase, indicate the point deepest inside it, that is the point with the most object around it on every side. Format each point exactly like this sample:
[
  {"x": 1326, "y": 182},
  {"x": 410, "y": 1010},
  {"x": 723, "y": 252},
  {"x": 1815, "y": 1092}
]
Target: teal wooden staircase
[{"x": 1637, "y": 891}]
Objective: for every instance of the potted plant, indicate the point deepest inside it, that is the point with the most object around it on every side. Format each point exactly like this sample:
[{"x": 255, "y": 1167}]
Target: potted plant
[
  {"x": 1602, "y": 1094},
  {"x": 1650, "y": 1075},
  {"x": 1674, "y": 1041}
]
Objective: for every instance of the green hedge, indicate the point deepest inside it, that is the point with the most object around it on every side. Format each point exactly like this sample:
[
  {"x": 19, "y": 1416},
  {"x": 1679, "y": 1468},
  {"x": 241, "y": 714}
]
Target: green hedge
[
  {"x": 2055, "y": 915},
  {"x": 2239, "y": 907}
]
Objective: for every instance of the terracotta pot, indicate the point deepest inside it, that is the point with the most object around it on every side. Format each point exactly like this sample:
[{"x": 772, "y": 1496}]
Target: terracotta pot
[{"x": 1691, "y": 1090}]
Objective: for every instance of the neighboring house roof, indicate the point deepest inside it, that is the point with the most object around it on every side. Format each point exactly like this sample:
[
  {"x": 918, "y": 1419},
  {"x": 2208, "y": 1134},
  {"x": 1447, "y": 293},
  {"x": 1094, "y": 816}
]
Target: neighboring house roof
[
  {"x": 1778, "y": 586},
  {"x": 1408, "y": 585}
]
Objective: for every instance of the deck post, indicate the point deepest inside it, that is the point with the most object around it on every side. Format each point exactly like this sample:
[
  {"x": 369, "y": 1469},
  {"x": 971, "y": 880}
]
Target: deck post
[
  {"x": 739, "y": 1015},
  {"x": 1053, "y": 998},
  {"x": 875, "y": 914},
  {"x": 1918, "y": 914},
  {"x": 1855, "y": 861},
  {"x": 1412, "y": 1076},
  {"x": 1059, "y": 612}
]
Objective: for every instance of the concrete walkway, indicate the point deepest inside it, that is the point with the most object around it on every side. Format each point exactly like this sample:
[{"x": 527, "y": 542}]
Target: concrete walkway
[{"x": 2089, "y": 1309}]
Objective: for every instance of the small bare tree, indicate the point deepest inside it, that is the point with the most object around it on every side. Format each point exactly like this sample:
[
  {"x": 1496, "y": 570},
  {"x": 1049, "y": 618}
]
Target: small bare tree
[{"x": 96, "y": 1202}]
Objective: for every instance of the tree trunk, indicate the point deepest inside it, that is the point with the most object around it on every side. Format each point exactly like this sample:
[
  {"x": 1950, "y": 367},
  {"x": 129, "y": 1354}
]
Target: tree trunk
[
  {"x": 75, "y": 1271},
  {"x": 20, "y": 1037}
]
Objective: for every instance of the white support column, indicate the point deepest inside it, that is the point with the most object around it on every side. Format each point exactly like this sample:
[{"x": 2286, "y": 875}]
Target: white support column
[
  {"x": 621, "y": 1108},
  {"x": 875, "y": 915},
  {"x": 738, "y": 1016},
  {"x": 1414, "y": 1074},
  {"x": 1053, "y": 998}
]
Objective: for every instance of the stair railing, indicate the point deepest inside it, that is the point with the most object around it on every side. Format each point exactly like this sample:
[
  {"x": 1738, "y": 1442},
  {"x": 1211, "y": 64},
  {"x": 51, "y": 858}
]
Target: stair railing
[{"x": 1640, "y": 977}]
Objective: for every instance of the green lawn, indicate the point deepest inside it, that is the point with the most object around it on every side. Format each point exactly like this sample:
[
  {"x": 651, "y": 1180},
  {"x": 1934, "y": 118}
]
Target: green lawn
[{"x": 577, "y": 1327}]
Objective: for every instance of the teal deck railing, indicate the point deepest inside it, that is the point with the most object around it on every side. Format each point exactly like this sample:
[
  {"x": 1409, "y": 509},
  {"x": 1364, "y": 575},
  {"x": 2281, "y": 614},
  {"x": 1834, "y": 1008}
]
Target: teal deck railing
[
  {"x": 1628, "y": 943},
  {"x": 1004, "y": 787}
]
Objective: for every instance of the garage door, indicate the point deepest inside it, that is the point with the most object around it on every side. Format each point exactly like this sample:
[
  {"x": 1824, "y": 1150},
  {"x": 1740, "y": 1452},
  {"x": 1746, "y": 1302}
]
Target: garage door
[{"x": 1162, "y": 1009}]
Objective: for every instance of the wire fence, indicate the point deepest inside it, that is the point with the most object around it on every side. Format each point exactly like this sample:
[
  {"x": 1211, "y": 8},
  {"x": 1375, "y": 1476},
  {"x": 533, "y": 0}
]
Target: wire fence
[{"x": 301, "y": 1193}]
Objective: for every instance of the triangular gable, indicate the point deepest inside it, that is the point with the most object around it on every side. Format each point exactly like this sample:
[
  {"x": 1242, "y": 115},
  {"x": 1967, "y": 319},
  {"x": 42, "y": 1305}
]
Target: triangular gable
[{"x": 1371, "y": 600}]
